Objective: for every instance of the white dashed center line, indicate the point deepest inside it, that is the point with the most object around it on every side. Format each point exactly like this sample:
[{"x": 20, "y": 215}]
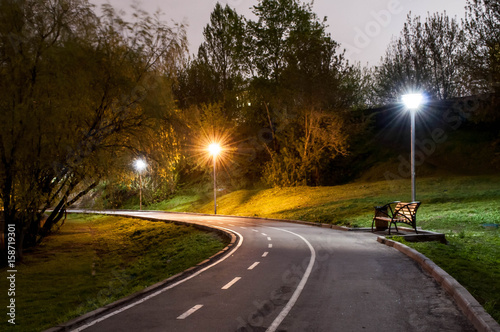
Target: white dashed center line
[
  {"x": 270, "y": 245},
  {"x": 190, "y": 311},
  {"x": 265, "y": 254},
  {"x": 268, "y": 238},
  {"x": 232, "y": 282},
  {"x": 253, "y": 265}
]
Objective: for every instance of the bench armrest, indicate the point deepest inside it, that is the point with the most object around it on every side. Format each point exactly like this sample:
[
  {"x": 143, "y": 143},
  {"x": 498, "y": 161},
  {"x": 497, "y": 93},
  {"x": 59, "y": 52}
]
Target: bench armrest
[
  {"x": 386, "y": 210},
  {"x": 382, "y": 211}
]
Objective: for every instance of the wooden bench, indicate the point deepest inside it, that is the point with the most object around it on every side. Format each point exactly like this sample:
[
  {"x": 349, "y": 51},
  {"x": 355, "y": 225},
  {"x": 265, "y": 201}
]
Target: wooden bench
[{"x": 397, "y": 212}]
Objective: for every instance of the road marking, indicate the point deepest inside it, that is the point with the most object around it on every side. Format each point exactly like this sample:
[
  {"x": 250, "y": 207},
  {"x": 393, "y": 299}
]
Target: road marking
[
  {"x": 255, "y": 230},
  {"x": 190, "y": 311},
  {"x": 232, "y": 282},
  {"x": 251, "y": 267},
  {"x": 277, "y": 321},
  {"x": 243, "y": 227},
  {"x": 270, "y": 245},
  {"x": 265, "y": 254},
  {"x": 231, "y": 225},
  {"x": 268, "y": 238},
  {"x": 264, "y": 234},
  {"x": 144, "y": 299}
]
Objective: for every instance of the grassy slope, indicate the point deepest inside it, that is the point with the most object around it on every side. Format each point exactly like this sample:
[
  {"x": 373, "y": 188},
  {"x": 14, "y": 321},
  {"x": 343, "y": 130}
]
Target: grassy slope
[
  {"x": 457, "y": 206},
  {"x": 447, "y": 203},
  {"x": 94, "y": 261}
]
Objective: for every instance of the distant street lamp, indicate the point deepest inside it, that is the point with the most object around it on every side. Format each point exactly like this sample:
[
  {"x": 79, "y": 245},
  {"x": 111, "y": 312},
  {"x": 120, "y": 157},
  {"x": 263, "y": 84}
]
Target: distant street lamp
[
  {"x": 214, "y": 150},
  {"x": 412, "y": 103},
  {"x": 140, "y": 165}
]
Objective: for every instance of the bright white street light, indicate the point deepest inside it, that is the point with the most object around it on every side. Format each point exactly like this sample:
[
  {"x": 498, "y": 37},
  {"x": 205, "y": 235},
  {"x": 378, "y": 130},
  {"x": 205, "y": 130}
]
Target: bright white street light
[
  {"x": 214, "y": 150},
  {"x": 140, "y": 165},
  {"x": 412, "y": 103}
]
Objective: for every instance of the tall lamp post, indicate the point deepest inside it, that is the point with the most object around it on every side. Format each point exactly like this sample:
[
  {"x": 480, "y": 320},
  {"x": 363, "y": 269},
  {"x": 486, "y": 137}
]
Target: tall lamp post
[
  {"x": 412, "y": 103},
  {"x": 140, "y": 165},
  {"x": 214, "y": 150}
]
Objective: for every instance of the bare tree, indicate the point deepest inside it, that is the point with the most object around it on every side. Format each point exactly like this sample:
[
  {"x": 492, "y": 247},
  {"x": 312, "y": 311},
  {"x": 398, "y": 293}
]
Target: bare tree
[
  {"x": 426, "y": 56},
  {"x": 482, "y": 59}
]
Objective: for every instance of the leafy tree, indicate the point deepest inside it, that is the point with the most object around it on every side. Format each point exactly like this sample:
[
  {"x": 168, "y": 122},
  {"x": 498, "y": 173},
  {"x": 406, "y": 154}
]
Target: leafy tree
[
  {"x": 217, "y": 80},
  {"x": 426, "y": 56},
  {"x": 281, "y": 82},
  {"x": 196, "y": 84},
  {"x": 301, "y": 85},
  {"x": 299, "y": 162},
  {"x": 75, "y": 97},
  {"x": 223, "y": 46},
  {"x": 216, "y": 74},
  {"x": 276, "y": 35}
]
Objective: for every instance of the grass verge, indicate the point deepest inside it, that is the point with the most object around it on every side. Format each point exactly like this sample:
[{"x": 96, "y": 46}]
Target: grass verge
[{"x": 95, "y": 260}]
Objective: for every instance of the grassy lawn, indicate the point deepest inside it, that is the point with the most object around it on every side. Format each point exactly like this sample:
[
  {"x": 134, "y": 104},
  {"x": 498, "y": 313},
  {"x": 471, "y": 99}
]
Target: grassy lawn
[
  {"x": 457, "y": 206},
  {"x": 448, "y": 204},
  {"x": 95, "y": 260}
]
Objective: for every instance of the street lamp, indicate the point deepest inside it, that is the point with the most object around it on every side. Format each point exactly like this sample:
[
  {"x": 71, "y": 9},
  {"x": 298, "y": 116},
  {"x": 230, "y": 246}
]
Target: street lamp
[
  {"x": 140, "y": 165},
  {"x": 412, "y": 103},
  {"x": 214, "y": 150}
]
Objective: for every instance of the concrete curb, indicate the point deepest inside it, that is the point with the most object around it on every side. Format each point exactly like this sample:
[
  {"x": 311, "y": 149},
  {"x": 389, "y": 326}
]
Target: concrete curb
[
  {"x": 476, "y": 314},
  {"x": 90, "y": 316}
]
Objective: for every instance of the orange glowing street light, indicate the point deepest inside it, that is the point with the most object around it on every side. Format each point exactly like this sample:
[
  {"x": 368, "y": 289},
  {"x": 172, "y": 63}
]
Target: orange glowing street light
[{"x": 215, "y": 149}]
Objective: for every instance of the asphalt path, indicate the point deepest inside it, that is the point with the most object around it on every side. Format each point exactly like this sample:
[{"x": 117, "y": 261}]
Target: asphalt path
[{"x": 284, "y": 276}]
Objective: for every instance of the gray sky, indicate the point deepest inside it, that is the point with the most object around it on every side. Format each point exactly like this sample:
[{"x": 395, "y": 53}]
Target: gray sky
[{"x": 363, "y": 27}]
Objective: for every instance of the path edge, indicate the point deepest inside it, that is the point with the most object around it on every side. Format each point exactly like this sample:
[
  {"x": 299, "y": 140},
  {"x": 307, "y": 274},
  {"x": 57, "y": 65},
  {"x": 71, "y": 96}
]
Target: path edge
[{"x": 475, "y": 313}]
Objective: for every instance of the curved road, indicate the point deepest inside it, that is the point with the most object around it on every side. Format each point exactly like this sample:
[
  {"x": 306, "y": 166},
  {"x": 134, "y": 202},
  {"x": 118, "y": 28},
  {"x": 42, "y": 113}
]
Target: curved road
[{"x": 291, "y": 277}]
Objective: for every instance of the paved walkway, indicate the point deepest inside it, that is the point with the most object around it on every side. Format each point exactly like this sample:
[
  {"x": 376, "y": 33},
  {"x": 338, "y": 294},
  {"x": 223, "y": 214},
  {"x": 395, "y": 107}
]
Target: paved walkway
[{"x": 282, "y": 276}]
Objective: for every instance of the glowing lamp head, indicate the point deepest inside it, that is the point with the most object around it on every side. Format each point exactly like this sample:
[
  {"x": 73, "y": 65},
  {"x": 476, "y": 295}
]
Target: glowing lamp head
[
  {"x": 413, "y": 101},
  {"x": 214, "y": 149},
  {"x": 140, "y": 165}
]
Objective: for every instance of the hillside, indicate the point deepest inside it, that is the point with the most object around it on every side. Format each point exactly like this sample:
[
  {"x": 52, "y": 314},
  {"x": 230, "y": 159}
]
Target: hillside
[{"x": 467, "y": 200}]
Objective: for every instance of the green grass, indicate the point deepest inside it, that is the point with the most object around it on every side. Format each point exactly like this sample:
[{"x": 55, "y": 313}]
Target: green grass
[
  {"x": 178, "y": 203},
  {"x": 95, "y": 260},
  {"x": 444, "y": 202},
  {"x": 457, "y": 206}
]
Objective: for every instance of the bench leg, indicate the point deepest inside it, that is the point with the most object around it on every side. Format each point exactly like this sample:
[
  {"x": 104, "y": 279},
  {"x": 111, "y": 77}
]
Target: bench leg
[{"x": 395, "y": 226}]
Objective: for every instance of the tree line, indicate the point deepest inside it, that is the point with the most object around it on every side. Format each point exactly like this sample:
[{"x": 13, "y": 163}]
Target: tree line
[
  {"x": 442, "y": 56},
  {"x": 82, "y": 95}
]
